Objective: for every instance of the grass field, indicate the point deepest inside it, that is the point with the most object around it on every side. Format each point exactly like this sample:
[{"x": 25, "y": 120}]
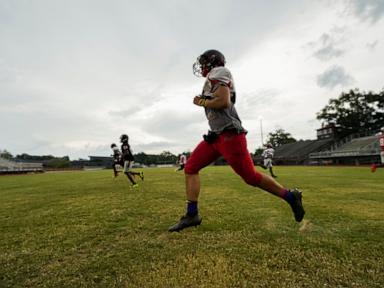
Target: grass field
[{"x": 85, "y": 229}]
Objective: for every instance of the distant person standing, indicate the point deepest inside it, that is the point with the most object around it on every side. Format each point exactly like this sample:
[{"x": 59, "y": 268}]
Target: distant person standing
[
  {"x": 117, "y": 159},
  {"x": 182, "y": 162},
  {"x": 381, "y": 143},
  {"x": 267, "y": 155},
  {"x": 128, "y": 161}
]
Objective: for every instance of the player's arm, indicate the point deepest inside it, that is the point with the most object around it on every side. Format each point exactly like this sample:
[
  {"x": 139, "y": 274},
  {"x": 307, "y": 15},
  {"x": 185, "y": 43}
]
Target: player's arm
[{"x": 221, "y": 99}]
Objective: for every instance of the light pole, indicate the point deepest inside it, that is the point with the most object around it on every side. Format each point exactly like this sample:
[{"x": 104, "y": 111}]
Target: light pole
[{"x": 261, "y": 130}]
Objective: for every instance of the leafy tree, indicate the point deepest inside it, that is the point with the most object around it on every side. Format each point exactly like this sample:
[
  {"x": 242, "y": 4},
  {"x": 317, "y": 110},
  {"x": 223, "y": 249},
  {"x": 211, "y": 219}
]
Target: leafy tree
[
  {"x": 280, "y": 137},
  {"x": 5, "y": 154},
  {"x": 167, "y": 157},
  {"x": 25, "y": 156},
  {"x": 164, "y": 157},
  {"x": 59, "y": 163},
  {"x": 355, "y": 112},
  {"x": 141, "y": 158},
  {"x": 259, "y": 151}
]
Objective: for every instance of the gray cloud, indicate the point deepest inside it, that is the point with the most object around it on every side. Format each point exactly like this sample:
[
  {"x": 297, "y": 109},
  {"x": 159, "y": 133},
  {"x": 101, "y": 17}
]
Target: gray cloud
[
  {"x": 247, "y": 102},
  {"x": 157, "y": 145},
  {"x": 372, "y": 45},
  {"x": 326, "y": 47},
  {"x": 367, "y": 10},
  {"x": 75, "y": 74},
  {"x": 172, "y": 124},
  {"x": 333, "y": 77},
  {"x": 328, "y": 52},
  {"x": 124, "y": 113}
]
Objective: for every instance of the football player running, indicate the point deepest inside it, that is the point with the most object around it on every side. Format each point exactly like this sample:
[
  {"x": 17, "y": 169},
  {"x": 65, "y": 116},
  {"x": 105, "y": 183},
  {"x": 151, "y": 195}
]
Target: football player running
[
  {"x": 182, "y": 161},
  {"x": 226, "y": 138},
  {"x": 117, "y": 159},
  {"x": 268, "y": 156},
  {"x": 128, "y": 160}
]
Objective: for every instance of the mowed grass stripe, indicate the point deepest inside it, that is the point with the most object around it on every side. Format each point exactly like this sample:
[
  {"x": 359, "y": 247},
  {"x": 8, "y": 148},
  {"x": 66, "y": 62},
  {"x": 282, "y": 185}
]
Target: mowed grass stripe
[{"x": 85, "y": 229}]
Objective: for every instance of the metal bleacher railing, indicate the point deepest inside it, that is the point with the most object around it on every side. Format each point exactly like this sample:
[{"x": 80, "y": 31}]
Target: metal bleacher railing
[
  {"x": 363, "y": 146},
  {"x": 7, "y": 166},
  {"x": 298, "y": 151}
]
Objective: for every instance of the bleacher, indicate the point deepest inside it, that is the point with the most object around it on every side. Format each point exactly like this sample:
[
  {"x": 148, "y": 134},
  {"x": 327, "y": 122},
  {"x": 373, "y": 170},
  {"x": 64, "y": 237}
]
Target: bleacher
[
  {"x": 358, "y": 151},
  {"x": 365, "y": 145},
  {"x": 359, "y": 147},
  {"x": 11, "y": 167},
  {"x": 298, "y": 152}
]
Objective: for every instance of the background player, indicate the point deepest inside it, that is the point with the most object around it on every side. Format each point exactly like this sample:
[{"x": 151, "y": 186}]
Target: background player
[
  {"x": 267, "y": 157},
  {"x": 226, "y": 138},
  {"x": 117, "y": 159},
  {"x": 182, "y": 162},
  {"x": 128, "y": 161}
]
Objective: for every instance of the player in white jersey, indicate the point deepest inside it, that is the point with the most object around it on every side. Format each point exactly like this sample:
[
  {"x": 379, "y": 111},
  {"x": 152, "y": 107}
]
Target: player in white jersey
[
  {"x": 182, "y": 162},
  {"x": 117, "y": 159},
  {"x": 267, "y": 155}
]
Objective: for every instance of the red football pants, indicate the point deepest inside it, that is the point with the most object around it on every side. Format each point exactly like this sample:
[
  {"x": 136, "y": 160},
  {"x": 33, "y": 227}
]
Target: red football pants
[{"x": 233, "y": 147}]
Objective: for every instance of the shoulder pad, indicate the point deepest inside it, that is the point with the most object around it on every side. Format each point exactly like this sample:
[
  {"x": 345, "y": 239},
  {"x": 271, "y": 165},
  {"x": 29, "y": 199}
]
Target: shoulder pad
[{"x": 220, "y": 75}]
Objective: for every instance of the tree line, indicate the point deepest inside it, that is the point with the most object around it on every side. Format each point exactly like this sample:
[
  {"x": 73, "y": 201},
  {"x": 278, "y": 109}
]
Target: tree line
[{"x": 50, "y": 161}]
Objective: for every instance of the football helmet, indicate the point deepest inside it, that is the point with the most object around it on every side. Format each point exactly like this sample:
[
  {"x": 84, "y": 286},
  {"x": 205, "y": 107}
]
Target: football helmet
[
  {"x": 124, "y": 138},
  {"x": 113, "y": 145},
  {"x": 206, "y": 61}
]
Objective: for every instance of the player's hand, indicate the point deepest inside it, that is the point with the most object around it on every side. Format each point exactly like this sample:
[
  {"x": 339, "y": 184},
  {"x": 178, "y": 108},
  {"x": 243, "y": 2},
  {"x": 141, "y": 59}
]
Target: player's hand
[{"x": 199, "y": 101}]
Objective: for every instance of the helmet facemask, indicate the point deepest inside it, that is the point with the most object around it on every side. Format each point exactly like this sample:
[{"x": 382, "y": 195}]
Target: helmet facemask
[
  {"x": 208, "y": 60},
  {"x": 201, "y": 67}
]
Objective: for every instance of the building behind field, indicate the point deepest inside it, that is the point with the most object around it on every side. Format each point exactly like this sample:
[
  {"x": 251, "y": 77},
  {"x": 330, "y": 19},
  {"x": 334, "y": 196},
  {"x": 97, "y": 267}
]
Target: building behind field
[{"x": 329, "y": 149}]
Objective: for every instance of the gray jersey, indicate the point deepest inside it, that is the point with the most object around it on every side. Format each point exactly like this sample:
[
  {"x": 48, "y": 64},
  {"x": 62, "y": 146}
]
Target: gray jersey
[{"x": 221, "y": 119}]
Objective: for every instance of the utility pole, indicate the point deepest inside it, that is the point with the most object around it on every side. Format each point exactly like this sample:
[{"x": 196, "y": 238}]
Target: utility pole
[{"x": 261, "y": 131}]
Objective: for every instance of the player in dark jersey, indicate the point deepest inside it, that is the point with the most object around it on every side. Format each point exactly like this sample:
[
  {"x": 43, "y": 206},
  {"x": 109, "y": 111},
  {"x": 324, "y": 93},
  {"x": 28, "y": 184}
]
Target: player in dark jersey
[
  {"x": 127, "y": 157},
  {"x": 117, "y": 159},
  {"x": 227, "y": 138}
]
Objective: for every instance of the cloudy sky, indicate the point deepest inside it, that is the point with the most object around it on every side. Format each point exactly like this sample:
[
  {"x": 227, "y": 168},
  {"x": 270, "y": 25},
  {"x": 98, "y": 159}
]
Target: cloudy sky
[{"x": 76, "y": 74}]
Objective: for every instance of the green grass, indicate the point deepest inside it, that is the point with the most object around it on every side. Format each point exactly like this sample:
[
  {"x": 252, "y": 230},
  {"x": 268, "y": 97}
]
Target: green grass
[{"x": 84, "y": 229}]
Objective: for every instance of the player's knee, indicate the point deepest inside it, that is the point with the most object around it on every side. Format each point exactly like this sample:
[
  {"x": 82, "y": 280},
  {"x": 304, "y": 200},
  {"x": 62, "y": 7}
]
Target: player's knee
[{"x": 190, "y": 169}]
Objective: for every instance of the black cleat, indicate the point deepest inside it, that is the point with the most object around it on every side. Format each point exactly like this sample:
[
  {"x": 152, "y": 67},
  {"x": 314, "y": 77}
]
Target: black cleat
[
  {"x": 297, "y": 205},
  {"x": 185, "y": 222}
]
